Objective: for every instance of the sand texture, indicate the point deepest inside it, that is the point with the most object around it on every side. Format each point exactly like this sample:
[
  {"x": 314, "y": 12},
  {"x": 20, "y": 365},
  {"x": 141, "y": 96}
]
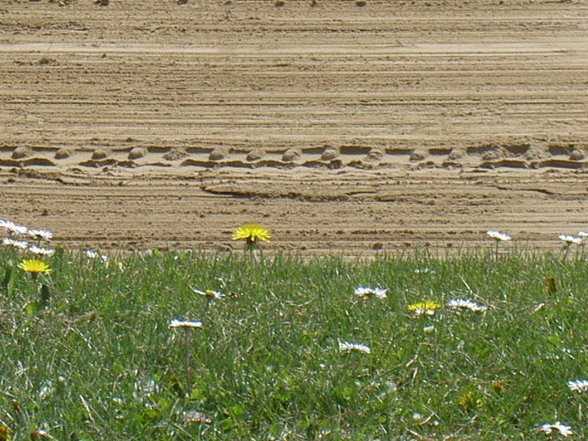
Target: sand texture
[{"x": 341, "y": 127}]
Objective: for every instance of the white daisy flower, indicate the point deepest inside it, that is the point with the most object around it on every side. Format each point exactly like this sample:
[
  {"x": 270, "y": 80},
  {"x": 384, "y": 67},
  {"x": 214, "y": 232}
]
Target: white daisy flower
[
  {"x": 578, "y": 385},
  {"x": 583, "y": 234},
  {"x": 41, "y": 251},
  {"x": 40, "y": 234},
  {"x": 15, "y": 243},
  {"x": 184, "y": 324},
  {"x": 570, "y": 239},
  {"x": 557, "y": 427},
  {"x": 364, "y": 292},
  {"x": 12, "y": 227},
  {"x": 94, "y": 255},
  {"x": 350, "y": 347},
  {"x": 466, "y": 304},
  {"x": 215, "y": 295},
  {"x": 424, "y": 270},
  {"x": 192, "y": 416},
  {"x": 498, "y": 236}
]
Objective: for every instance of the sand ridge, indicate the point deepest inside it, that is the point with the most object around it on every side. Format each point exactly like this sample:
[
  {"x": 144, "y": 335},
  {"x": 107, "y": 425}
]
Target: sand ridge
[{"x": 356, "y": 128}]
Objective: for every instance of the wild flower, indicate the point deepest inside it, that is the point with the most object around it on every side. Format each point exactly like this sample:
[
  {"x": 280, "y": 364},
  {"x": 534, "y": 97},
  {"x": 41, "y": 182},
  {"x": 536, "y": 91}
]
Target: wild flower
[
  {"x": 569, "y": 240},
  {"x": 192, "y": 416},
  {"x": 557, "y": 427},
  {"x": 213, "y": 295},
  {"x": 40, "y": 234},
  {"x": 41, "y": 251},
  {"x": 15, "y": 243},
  {"x": 174, "y": 323},
  {"x": 351, "y": 347},
  {"x": 424, "y": 270},
  {"x": 583, "y": 234},
  {"x": 12, "y": 228},
  {"x": 365, "y": 292},
  {"x": 466, "y": 304},
  {"x": 498, "y": 236},
  {"x": 4, "y": 434},
  {"x": 252, "y": 233},
  {"x": 578, "y": 385},
  {"x": 34, "y": 266},
  {"x": 424, "y": 308},
  {"x": 94, "y": 255},
  {"x": 468, "y": 401}
]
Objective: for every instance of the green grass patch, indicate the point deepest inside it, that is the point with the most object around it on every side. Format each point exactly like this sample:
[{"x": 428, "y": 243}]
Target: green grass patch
[{"x": 87, "y": 352}]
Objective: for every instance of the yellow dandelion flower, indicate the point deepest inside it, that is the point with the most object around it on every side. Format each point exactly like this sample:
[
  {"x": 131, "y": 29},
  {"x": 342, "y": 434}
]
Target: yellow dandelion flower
[
  {"x": 469, "y": 401},
  {"x": 34, "y": 266},
  {"x": 428, "y": 307},
  {"x": 251, "y": 233},
  {"x": 4, "y": 435}
]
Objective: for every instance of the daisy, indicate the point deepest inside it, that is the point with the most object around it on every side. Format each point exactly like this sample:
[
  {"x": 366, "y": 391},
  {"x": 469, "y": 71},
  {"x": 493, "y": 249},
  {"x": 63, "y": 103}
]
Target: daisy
[
  {"x": 466, "y": 304},
  {"x": 251, "y": 233},
  {"x": 15, "y": 243},
  {"x": 427, "y": 308},
  {"x": 570, "y": 239},
  {"x": 192, "y": 416},
  {"x": 497, "y": 236},
  {"x": 350, "y": 347},
  {"x": 214, "y": 295},
  {"x": 557, "y": 427},
  {"x": 34, "y": 266},
  {"x": 184, "y": 324},
  {"x": 41, "y": 251},
  {"x": 583, "y": 234},
  {"x": 12, "y": 227},
  {"x": 578, "y": 385},
  {"x": 365, "y": 292},
  {"x": 40, "y": 234},
  {"x": 94, "y": 255}
]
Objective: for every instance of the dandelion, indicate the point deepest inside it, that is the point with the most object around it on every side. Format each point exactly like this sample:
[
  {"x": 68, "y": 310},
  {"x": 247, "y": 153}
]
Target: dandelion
[
  {"x": 424, "y": 308},
  {"x": 34, "y": 266},
  {"x": 468, "y": 401},
  {"x": 4, "y": 435},
  {"x": 558, "y": 427},
  {"x": 15, "y": 243},
  {"x": 12, "y": 228},
  {"x": 365, "y": 292},
  {"x": 578, "y": 385},
  {"x": 185, "y": 324},
  {"x": 41, "y": 251},
  {"x": 498, "y": 236},
  {"x": 351, "y": 347},
  {"x": 251, "y": 233},
  {"x": 40, "y": 234},
  {"x": 466, "y": 304}
]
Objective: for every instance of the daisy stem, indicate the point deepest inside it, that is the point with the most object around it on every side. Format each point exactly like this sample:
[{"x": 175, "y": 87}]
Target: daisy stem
[
  {"x": 567, "y": 250},
  {"x": 187, "y": 358}
]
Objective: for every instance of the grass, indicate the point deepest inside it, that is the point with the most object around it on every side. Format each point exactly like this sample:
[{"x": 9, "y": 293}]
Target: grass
[{"x": 99, "y": 361}]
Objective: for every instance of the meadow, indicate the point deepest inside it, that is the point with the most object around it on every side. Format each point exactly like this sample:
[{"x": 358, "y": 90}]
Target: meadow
[{"x": 488, "y": 345}]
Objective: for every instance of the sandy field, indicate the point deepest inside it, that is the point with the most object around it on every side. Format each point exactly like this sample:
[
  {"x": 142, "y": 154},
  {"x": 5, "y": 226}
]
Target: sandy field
[{"x": 342, "y": 126}]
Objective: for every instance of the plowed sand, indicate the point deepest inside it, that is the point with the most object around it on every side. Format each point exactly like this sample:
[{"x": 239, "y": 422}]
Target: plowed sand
[{"x": 339, "y": 127}]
